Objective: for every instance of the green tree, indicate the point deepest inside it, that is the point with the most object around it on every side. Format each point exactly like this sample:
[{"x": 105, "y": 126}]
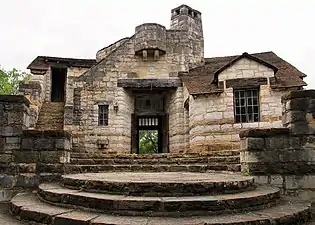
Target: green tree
[
  {"x": 148, "y": 141},
  {"x": 9, "y": 80}
]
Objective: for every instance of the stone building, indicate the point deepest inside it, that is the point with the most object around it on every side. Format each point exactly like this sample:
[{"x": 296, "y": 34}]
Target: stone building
[{"x": 159, "y": 79}]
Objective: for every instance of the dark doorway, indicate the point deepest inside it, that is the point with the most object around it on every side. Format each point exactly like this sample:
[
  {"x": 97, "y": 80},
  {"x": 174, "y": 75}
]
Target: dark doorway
[
  {"x": 149, "y": 135},
  {"x": 58, "y": 81},
  {"x": 149, "y": 123}
]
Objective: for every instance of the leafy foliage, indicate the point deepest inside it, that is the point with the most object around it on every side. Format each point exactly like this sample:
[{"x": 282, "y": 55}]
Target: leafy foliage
[
  {"x": 9, "y": 81},
  {"x": 148, "y": 141}
]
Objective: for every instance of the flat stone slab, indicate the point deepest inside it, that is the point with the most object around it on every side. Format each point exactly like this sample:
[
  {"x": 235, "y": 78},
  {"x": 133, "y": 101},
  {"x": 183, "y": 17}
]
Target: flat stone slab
[
  {"x": 261, "y": 197},
  {"x": 159, "y": 184},
  {"x": 284, "y": 213},
  {"x": 200, "y": 168}
]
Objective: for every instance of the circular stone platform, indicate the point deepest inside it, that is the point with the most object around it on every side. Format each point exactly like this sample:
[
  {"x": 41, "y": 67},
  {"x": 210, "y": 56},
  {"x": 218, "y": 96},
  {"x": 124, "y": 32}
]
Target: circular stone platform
[{"x": 159, "y": 184}]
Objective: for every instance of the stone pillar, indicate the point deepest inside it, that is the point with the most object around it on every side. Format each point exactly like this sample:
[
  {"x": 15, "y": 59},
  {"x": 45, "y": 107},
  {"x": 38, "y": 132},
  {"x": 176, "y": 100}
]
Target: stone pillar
[
  {"x": 14, "y": 118},
  {"x": 33, "y": 92},
  {"x": 299, "y": 111}
]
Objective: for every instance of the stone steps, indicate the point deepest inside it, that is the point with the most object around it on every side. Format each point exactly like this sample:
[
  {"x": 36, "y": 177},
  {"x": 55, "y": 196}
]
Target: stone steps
[
  {"x": 51, "y": 116},
  {"x": 161, "y": 206},
  {"x": 84, "y": 155},
  {"x": 29, "y": 207},
  {"x": 234, "y": 167},
  {"x": 150, "y": 184},
  {"x": 179, "y": 161}
]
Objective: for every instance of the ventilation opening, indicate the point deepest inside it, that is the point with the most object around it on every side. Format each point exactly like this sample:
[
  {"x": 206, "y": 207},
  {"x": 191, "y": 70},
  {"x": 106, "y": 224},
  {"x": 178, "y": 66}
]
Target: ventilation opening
[{"x": 58, "y": 81}]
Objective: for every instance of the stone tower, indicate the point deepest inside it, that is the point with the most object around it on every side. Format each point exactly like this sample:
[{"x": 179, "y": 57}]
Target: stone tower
[{"x": 187, "y": 19}]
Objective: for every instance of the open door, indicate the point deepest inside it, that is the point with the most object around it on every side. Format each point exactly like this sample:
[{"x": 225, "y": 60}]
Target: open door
[{"x": 58, "y": 82}]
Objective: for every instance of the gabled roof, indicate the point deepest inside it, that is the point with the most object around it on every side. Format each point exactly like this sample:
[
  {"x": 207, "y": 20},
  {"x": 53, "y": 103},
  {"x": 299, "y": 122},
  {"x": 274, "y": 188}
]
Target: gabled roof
[
  {"x": 203, "y": 79},
  {"x": 43, "y": 62},
  {"x": 248, "y": 56}
]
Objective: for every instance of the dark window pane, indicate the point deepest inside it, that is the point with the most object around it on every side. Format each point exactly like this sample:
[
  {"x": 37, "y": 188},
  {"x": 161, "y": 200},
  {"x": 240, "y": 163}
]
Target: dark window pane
[
  {"x": 238, "y": 110},
  {"x": 249, "y": 101},
  {"x": 243, "y": 118},
  {"x": 256, "y": 109},
  {"x": 242, "y": 102},
  {"x": 243, "y": 110}
]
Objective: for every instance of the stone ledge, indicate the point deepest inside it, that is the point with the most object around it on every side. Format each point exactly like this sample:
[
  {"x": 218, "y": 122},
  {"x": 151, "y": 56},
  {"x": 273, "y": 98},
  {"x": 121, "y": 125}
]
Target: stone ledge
[
  {"x": 298, "y": 94},
  {"x": 246, "y": 82},
  {"x": 15, "y": 99},
  {"x": 149, "y": 83},
  {"x": 264, "y": 132},
  {"x": 280, "y": 168},
  {"x": 46, "y": 134},
  {"x": 31, "y": 85}
]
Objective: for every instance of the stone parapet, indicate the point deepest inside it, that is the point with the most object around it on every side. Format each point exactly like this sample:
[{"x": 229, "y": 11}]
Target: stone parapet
[
  {"x": 284, "y": 157},
  {"x": 299, "y": 111}
]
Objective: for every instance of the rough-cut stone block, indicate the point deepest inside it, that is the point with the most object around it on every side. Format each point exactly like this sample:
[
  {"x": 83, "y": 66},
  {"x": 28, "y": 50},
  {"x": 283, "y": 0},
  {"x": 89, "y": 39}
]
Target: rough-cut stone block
[
  {"x": 52, "y": 156},
  {"x": 50, "y": 168},
  {"x": 298, "y": 94},
  {"x": 43, "y": 144},
  {"x": 277, "y": 142},
  {"x": 14, "y": 99},
  {"x": 62, "y": 144},
  {"x": 2, "y": 143},
  {"x": 264, "y": 132},
  {"x": 294, "y": 116},
  {"x": 25, "y": 156},
  {"x": 301, "y": 104},
  {"x": 299, "y": 128},
  {"x": 27, "y": 144},
  {"x": 27, "y": 180},
  {"x": 5, "y": 158},
  {"x": 7, "y": 180},
  {"x": 254, "y": 144}
]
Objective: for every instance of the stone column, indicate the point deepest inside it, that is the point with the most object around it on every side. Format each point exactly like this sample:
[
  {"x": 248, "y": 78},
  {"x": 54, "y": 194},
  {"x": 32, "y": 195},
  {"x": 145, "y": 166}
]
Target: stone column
[
  {"x": 299, "y": 111},
  {"x": 14, "y": 118}
]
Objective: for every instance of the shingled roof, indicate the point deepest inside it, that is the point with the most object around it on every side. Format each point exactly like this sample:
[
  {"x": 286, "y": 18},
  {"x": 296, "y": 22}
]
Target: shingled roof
[
  {"x": 204, "y": 80},
  {"x": 43, "y": 62}
]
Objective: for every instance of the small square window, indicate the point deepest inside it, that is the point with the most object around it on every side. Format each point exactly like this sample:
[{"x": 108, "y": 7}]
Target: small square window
[
  {"x": 103, "y": 115},
  {"x": 246, "y": 108}
]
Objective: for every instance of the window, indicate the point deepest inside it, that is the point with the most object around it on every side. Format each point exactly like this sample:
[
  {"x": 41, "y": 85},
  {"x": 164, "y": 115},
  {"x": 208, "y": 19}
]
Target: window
[
  {"x": 246, "y": 105},
  {"x": 103, "y": 115}
]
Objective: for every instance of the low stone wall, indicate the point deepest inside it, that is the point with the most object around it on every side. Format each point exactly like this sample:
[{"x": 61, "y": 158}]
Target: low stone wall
[
  {"x": 285, "y": 157},
  {"x": 48, "y": 151},
  {"x": 27, "y": 157}
]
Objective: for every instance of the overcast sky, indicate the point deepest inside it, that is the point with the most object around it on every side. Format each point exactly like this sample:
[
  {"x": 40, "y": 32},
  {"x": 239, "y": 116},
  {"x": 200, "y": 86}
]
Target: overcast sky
[{"x": 79, "y": 28}]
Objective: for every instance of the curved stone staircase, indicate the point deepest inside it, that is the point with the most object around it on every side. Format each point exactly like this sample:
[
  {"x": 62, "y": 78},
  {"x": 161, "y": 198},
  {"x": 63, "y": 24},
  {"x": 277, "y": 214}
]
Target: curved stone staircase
[
  {"x": 227, "y": 160},
  {"x": 158, "y": 198}
]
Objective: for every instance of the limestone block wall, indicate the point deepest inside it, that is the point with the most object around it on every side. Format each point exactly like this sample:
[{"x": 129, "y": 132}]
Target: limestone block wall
[
  {"x": 72, "y": 73},
  {"x": 246, "y": 68},
  {"x": 285, "y": 157},
  {"x": 98, "y": 85},
  {"x": 177, "y": 130},
  {"x": 212, "y": 124}
]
